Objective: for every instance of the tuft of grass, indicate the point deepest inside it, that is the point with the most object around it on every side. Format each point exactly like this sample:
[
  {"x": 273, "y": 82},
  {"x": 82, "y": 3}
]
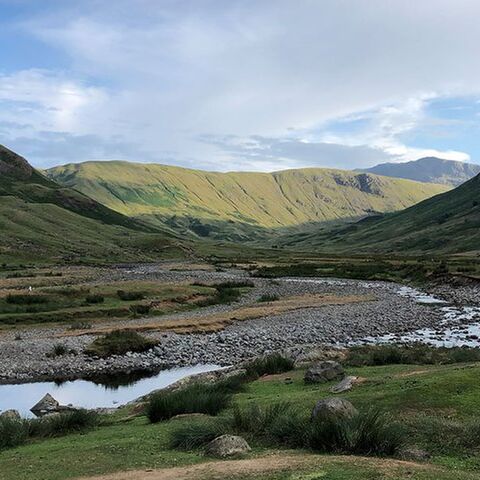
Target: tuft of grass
[
  {"x": 198, "y": 433},
  {"x": 119, "y": 342},
  {"x": 417, "y": 353},
  {"x": 367, "y": 433},
  {"x": 140, "y": 309},
  {"x": 196, "y": 398},
  {"x": 58, "y": 350},
  {"x": 13, "y": 432},
  {"x": 130, "y": 296},
  {"x": 63, "y": 423},
  {"x": 269, "y": 365},
  {"x": 268, "y": 297}
]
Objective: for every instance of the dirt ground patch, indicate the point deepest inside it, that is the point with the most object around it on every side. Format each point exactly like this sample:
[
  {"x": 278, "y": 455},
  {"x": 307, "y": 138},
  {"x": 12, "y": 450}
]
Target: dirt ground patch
[
  {"x": 217, "y": 322},
  {"x": 261, "y": 465}
]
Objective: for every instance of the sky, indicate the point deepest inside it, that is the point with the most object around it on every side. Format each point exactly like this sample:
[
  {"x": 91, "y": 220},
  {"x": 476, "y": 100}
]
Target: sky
[{"x": 254, "y": 85}]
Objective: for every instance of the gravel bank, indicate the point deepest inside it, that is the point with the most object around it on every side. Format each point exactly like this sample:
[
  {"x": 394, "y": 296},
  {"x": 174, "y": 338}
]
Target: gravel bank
[{"x": 298, "y": 331}]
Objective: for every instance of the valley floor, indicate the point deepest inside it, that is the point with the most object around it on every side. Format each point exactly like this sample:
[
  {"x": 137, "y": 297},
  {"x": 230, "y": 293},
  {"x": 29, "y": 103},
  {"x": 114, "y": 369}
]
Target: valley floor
[
  {"x": 304, "y": 312},
  {"x": 298, "y": 313}
]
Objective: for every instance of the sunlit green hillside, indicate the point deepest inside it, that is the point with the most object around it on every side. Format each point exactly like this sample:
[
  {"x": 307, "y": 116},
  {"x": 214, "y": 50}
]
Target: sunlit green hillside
[{"x": 212, "y": 203}]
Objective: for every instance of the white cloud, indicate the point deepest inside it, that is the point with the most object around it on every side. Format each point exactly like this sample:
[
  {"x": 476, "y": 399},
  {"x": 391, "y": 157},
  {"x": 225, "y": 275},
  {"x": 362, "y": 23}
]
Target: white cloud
[{"x": 171, "y": 72}]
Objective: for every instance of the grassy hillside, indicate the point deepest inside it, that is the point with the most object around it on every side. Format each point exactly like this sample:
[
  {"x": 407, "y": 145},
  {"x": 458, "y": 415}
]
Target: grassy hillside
[
  {"x": 429, "y": 169},
  {"x": 446, "y": 223},
  {"x": 40, "y": 219},
  {"x": 238, "y": 205}
]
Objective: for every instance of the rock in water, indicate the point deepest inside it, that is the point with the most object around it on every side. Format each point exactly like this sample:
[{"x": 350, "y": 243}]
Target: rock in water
[
  {"x": 323, "y": 372},
  {"x": 344, "y": 385},
  {"x": 334, "y": 406},
  {"x": 11, "y": 414},
  {"x": 45, "y": 406},
  {"x": 227, "y": 446}
]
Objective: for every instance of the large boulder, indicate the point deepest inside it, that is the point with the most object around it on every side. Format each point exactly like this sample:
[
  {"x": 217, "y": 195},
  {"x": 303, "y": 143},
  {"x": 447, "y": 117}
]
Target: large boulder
[
  {"x": 227, "y": 446},
  {"x": 46, "y": 406},
  {"x": 324, "y": 372},
  {"x": 10, "y": 414},
  {"x": 333, "y": 406}
]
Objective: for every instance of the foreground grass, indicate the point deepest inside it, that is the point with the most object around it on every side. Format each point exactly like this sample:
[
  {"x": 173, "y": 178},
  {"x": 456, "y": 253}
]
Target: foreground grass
[{"x": 415, "y": 394}]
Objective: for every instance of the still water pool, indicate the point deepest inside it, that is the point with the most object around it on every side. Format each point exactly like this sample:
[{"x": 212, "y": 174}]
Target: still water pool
[{"x": 103, "y": 391}]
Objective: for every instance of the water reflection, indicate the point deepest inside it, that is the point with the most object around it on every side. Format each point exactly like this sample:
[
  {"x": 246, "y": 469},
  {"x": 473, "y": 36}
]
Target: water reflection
[{"x": 102, "y": 391}]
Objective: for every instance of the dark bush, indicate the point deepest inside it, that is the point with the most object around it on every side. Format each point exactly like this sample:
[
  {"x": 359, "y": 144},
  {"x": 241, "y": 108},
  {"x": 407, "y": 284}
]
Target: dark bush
[
  {"x": 130, "y": 296},
  {"x": 94, "y": 299},
  {"x": 119, "y": 342},
  {"x": 26, "y": 299}
]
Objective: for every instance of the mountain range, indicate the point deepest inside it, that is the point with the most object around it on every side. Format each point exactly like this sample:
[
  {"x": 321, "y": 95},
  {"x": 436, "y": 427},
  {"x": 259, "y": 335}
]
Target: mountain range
[
  {"x": 429, "y": 169},
  {"x": 116, "y": 211},
  {"x": 239, "y": 205}
]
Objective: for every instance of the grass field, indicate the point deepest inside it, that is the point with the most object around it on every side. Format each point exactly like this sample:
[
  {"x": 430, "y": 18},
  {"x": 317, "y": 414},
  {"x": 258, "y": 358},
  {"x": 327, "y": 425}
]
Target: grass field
[
  {"x": 88, "y": 302},
  {"x": 433, "y": 403}
]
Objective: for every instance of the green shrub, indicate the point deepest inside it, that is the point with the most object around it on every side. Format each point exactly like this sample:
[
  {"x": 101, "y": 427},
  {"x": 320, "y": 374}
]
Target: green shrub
[
  {"x": 195, "y": 398},
  {"x": 13, "y": 432},
  {"x": 26, "y": 299},
  {"x": 92, "y": 299},
  {"x": 63, "y": 423},
  {"x": 269, "y": 365},
  {"x": 268, "y": 297},
  {"x": 119, "y": 342},
  {"x": 367, "y": 433},
  {"x": 256, "y": 419},
  {"x": 197, "y": 434},
  {"x": 130, "y": 296}
]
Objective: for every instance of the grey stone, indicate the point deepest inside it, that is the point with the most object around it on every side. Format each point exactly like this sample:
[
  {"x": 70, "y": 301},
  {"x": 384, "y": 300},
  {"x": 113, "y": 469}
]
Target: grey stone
[
  {"x": 334, "y": 406},
  {"x": 414, "y": 453},
  {"x": 46, "y": 405},
  {"x": 323, "y": 372},
  {"x": 11, "y": 414},
  {"x": 227, "y": 446},
  {"x": 344, "y": 385}
]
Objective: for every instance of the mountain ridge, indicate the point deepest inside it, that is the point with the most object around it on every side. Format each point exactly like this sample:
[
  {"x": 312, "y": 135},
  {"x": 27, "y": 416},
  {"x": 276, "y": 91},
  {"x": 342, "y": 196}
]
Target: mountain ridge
[
  {"x": 206, "y": 202},
  {"x": 428, "y": 169}
]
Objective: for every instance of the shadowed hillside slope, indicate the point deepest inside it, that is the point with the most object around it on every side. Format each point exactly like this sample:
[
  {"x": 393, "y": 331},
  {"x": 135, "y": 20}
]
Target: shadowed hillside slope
[
  {"x": 446, "y": 223},
  {"x": 41, "y": 219},
  {"x": 212, "y": 203}
]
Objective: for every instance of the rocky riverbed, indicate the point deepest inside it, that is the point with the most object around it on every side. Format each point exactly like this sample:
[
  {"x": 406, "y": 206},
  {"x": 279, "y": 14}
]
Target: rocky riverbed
[{"x": 23, "y": 353}]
